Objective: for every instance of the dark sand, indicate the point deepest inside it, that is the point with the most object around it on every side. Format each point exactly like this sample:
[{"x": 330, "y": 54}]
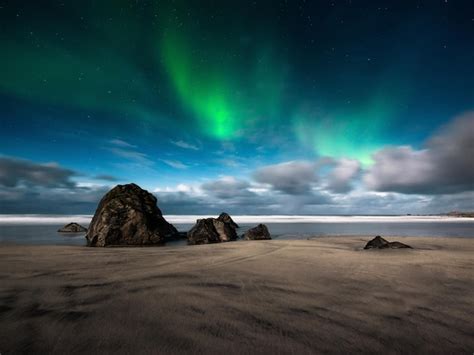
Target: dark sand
[{"x": 315, "y": 296}]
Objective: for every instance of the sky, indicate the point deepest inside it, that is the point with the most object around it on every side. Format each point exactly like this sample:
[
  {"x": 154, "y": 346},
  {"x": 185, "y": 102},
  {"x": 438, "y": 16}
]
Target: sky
[{"x": 252, "y": 107}]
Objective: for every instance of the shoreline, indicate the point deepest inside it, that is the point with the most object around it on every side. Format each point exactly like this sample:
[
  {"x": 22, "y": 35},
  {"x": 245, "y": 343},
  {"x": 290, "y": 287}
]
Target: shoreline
[
  {"x": 324, "y": 294},
  {"x": 15, "y": 219}
]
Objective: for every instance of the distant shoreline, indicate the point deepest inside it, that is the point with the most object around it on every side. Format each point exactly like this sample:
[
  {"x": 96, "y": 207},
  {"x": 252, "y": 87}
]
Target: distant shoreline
[{"x": 81, "y": 218}]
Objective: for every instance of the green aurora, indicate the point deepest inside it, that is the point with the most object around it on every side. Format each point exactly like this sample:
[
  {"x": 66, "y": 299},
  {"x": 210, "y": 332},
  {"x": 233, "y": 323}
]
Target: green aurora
[
  {"x": 210, "y": 81},
  {"x": 226, "y": 76}
]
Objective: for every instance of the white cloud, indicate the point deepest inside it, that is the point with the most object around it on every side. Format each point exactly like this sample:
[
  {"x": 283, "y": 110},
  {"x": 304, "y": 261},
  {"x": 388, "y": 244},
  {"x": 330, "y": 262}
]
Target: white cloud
[
  {"x": 175, "y": 164},
  {"x": 293, "y": 177},
  {"x": 340, "y": 178},
  {"x": 227, "y": 187},
  {"x": 185, "y": 188},
  {"x": 121, "y": 143},
  {"x": 129, "y": 152},
  {"x": 184, "y": 145},
  {"x": 133, "y": 155}
]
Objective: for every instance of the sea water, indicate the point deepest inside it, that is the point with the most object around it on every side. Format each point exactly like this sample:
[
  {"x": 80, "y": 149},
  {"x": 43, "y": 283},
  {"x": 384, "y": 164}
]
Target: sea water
[{"x": 42, "y": 229}]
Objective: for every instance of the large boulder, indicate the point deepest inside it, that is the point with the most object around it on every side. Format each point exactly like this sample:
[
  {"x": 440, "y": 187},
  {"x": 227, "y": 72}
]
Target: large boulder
[
  {"x": 259, "y": 232},
  {"x": 72, "y": 228},
  {"x": 211, "y": 230},
  {"x": 379, "y": 243},
  {"x": 224, "y": 217},
  {"x": 128, "y": 215}
]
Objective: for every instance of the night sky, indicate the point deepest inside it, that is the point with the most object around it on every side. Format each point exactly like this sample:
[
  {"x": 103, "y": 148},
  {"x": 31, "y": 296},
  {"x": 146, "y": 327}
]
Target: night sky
[{"x": 253, "y": 107}]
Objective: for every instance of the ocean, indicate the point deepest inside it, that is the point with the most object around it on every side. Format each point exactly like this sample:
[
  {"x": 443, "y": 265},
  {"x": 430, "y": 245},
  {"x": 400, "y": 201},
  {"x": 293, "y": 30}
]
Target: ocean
[{"x": 42, "y": 229}]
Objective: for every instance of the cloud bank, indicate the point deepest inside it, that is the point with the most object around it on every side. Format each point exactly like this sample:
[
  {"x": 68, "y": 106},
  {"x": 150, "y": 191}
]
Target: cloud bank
[
  {"x": 293, "y": 177},
  {"x": 438, "y": 177},
  {"x": 19, "y": 172},
  {"x": 29, "y": 187},
  {"x": 444, "y": 165}
]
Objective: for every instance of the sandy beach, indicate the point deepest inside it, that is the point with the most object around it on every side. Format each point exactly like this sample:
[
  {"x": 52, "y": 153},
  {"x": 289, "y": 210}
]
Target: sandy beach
[{"x": 303, "y": 296}]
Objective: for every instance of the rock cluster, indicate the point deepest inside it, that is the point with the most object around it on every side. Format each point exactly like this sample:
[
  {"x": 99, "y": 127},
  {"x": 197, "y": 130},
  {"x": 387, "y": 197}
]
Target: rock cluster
[
  {"x": 128, "y": 215},
  {"x": 222, "y": 229},
  {"x": 72, "y": 228},
  {"x": 259, "y": 232},
  {"x": 380, "y": 243}
]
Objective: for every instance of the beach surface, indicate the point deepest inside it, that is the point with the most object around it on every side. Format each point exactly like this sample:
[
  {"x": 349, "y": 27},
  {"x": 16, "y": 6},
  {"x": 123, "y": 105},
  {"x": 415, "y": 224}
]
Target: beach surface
[{"x": 320, "y": 295}]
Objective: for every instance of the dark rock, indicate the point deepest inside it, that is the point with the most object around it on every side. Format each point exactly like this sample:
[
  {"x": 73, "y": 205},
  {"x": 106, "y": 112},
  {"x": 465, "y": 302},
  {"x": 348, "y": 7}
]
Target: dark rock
[
  {"x": 224, "y": 217},
  {"x": 72, "y": 228},
  {"x": 259, "y": 232},
  {"x": 128, "y": 215},
  {"x": 211, "y": 230},
  {"x": 379, "y": 243}
]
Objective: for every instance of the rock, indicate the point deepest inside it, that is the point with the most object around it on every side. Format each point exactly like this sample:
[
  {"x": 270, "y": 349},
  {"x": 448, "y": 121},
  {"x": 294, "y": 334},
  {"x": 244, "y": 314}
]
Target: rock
[
  {"x": 211, "y": 230},
  {"x": 259, "y": 232},
  {"x": 72, "y": 228},
  {"x": 224, "y": 217},
  {"x": 379, "y": 243},
  {"x": 128, "y": 215}
]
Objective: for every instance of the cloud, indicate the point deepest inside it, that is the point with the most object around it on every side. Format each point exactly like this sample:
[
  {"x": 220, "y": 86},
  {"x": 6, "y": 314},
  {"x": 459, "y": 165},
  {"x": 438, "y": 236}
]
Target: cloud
[
  {"x": 175, "y": 164},
  {"x": 379, "y": 203},
  {"x": 453, "y": 202},
  {"x": 29, "y": 187},
  {"x": 236, "y": 196},
  {"x": 342, "y": 175},
  {"x": 435, "y": 178},
  {"x": 293, "y": 177},
  {"x": 179, "y": 188},
  {"x": 40, "y": 199},
  {"x": 105, "y": 177},
  {"x": 121, "y": 143},
  {"x": 182, "y": 203},
  {"x": 135, "y": 156},
  {"x": 128, "y": 151},
  {"x": 227, "y": 187},
  {"x": 15, "y": 172},
  {"x": 184, "y": 145},
  {"x": 445, "y": 165}
]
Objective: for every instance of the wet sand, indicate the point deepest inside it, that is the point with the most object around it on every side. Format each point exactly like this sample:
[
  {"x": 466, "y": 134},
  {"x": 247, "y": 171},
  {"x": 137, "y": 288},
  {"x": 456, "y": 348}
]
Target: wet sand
[{"x": 304, "y": 296}]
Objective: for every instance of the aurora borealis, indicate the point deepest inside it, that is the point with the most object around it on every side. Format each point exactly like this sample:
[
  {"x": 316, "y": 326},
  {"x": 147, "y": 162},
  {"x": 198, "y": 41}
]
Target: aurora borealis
[{"x": 283, "y": 106}]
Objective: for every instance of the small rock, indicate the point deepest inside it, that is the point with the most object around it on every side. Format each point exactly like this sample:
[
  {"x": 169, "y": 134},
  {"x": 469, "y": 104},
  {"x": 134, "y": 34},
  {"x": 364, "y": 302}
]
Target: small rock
[
  {"x": 259, "y": 232},
  {"x": 379, "y": 243},
  {"x": 72, "y": 228}
]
